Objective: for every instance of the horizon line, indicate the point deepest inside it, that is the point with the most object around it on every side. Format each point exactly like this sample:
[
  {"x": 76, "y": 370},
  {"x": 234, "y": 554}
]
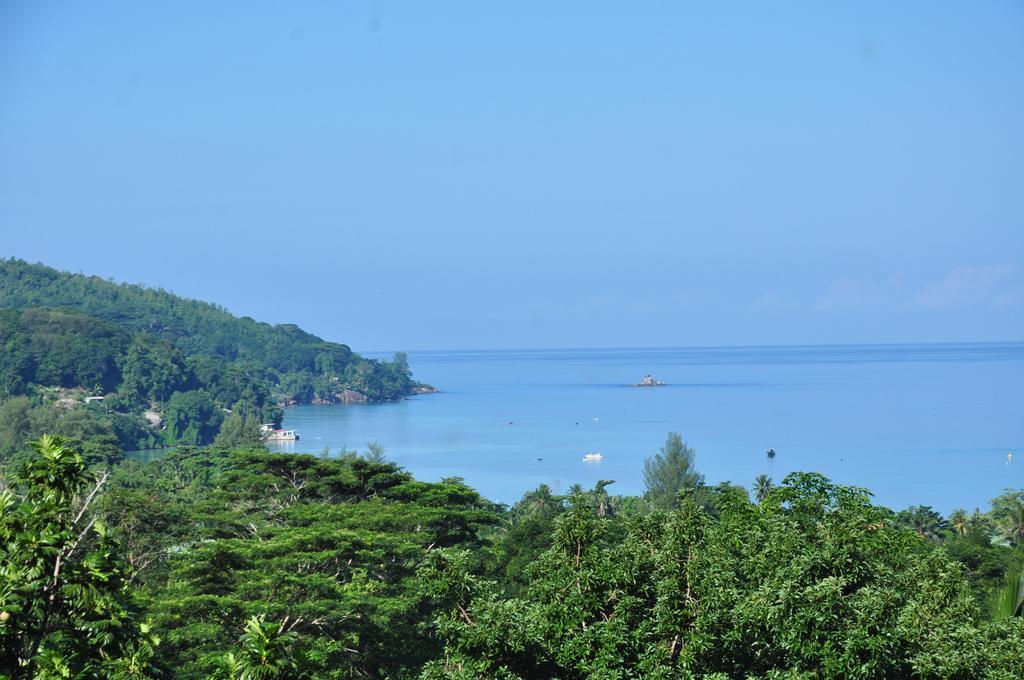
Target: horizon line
[{"x": 964, "y": 343}]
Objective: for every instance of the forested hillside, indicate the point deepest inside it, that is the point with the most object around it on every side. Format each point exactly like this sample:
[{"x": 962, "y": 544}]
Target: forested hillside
[
  {"x": 186, "y": 363},
  {"x": 238, "y": 564}
]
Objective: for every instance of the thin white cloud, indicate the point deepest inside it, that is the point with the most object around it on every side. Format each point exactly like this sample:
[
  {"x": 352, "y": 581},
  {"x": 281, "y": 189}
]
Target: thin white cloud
[
  {"x": 993, "y": 285},
  {"x": 852, "y": 292},
  {"x": 996, "y": 286}
]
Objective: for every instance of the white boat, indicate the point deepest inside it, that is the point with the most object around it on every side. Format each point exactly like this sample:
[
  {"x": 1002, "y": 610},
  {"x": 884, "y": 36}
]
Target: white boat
[
  {"x": 282, "y": 436},
  {"x": 592, "y": 457}
]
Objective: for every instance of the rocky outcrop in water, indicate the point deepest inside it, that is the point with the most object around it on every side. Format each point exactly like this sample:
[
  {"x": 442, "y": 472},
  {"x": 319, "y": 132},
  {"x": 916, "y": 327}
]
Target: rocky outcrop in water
[{"x": 349, "y": 396}]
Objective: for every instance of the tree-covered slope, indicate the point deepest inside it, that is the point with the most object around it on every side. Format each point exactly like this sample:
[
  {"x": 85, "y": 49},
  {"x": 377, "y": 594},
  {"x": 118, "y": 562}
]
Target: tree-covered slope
[
  {"x": 197, "y": 328},
  {"x": 193, "y": 326},
  {"x": 51, "y": 347},
  {"x": 150, "y": 350}
]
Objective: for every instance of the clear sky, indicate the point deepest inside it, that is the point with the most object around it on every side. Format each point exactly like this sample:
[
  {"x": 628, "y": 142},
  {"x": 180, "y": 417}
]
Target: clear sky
[{"x": 425, "y": 175}]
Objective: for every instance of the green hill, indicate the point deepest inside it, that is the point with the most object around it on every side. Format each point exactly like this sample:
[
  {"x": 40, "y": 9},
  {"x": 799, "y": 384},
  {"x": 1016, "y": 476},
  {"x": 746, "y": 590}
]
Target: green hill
[{"x": 139, "y": 347}]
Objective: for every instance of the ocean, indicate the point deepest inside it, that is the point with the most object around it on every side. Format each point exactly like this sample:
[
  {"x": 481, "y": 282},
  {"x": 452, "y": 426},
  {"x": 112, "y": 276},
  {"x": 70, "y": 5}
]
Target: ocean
[{"x": 928, "y": 424}]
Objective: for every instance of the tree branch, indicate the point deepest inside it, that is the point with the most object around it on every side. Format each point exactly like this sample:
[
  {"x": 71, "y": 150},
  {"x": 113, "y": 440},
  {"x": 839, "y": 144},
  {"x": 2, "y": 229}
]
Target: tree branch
[{"x": 85, "y": 506}]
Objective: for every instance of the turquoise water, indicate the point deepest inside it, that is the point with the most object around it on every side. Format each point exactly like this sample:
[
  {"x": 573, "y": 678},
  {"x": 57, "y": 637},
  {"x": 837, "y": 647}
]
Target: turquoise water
[{"x": 929, "y": 424}]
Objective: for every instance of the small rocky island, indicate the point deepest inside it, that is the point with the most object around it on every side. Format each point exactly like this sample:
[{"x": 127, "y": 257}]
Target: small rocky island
[{"x": 649, "y": 381}]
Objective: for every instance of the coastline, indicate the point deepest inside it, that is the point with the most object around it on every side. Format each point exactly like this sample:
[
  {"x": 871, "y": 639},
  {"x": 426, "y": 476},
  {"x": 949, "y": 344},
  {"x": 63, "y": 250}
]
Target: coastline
[
  {"x": 880, "y": 417},
  {"x": 349, "y": 396}
]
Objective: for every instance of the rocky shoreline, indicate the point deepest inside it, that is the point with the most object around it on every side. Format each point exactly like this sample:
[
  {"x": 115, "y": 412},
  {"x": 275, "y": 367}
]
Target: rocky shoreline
[{"x": 348, "y": 396}]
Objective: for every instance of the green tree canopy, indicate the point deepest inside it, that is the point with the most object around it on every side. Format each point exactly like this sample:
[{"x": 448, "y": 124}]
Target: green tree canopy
[
  {"x": 813, "y": 582},
  {"x": 671, "y": 472},
  {"x": 152, "y": 370},
  {"x": 763, "y": 486},
  {"x": 192, "y": 418},
  {"x": 1008, "y": 513},
  {"x": 238, "y": 431},
  {"x": 64, "y": 611}
]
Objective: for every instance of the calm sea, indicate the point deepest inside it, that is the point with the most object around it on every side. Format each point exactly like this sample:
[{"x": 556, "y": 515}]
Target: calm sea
[{"x": 928, "y": 424}]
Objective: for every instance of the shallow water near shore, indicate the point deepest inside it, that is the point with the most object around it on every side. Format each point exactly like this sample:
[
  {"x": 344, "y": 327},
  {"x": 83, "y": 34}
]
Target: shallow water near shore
[{"x": 915, "y": 424}]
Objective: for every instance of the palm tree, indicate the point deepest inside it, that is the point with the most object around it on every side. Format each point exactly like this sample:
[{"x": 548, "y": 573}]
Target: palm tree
[
  {"x": 959, "y": 522},
  {"x": 539, "y": 503},
  {"x": 763, "y": 486},
  {"x": 1009, "y": 600},
  {"x": 980, "y": 521},
  {"x": 602, "y": 501},
  {"x": 1008, "y": 512},
  {"x": 925, "y": 522}
]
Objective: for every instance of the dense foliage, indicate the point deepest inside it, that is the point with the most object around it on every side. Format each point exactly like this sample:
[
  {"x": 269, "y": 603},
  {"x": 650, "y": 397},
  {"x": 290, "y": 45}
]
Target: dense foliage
[
  {"x": 235, "y": 563},
  {"x": 184, "y": 361},
  {"x": 330, "y": 545},
  {"x": 812, "y": 582},
  {"x": 64, "y": 609},
  {"x": 50, "y": 347}
]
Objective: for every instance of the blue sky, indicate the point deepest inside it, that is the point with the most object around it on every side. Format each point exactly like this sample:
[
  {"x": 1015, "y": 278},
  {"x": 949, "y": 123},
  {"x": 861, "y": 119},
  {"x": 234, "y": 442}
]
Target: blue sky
[{"x": 580, "y": 174}]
